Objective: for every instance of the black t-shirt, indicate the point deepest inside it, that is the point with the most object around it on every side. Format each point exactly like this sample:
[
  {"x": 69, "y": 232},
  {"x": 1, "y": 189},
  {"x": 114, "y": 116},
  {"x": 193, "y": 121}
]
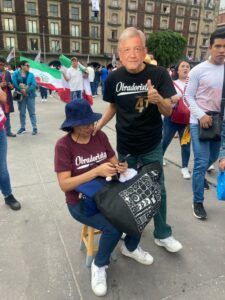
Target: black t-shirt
[{"x": 138, "y": 123}]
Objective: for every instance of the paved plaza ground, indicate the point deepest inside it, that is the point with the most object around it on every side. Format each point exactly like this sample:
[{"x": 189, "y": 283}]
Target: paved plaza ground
[{"x": 39, "y": 250}]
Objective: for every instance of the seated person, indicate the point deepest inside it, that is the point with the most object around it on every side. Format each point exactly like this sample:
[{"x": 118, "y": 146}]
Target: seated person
[{"x": 80, "y": 158}]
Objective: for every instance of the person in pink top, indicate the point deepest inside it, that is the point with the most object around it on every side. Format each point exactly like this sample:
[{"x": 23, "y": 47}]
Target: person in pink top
[{"x": 169, "y": 127}]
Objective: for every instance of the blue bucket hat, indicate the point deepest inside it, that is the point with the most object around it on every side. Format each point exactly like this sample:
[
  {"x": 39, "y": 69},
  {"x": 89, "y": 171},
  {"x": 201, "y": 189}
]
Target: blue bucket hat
[{"x": 79, "y": 113}]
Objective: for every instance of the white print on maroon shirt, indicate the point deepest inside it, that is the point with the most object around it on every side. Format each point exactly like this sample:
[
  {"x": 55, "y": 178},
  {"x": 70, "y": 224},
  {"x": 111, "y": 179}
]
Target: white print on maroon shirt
[
  {"x": 123, "y": 89},
  {"x": 82, "y": 163}
]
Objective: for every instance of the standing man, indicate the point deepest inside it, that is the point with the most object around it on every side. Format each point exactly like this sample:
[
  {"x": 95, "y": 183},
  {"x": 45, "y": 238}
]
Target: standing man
[
  {"x": 204, "y": 93},
  {"x": 74, "y": 77},
  {"x": 104, "y": 74},
  {"x": 138, "y": 94},
  {"x": 25, "y": 83},
  {"x": 7, "y": 86},
  {"x": 91, "y": 77}
]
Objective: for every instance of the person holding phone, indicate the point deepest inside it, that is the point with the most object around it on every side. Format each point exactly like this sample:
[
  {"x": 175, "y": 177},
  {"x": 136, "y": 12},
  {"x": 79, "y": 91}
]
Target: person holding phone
[{"x": 79, "y": 158}]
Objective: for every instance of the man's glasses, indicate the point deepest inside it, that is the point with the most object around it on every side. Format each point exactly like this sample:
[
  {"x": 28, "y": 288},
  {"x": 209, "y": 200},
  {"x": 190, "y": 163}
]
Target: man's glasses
[{"x": 27, "y": 65}]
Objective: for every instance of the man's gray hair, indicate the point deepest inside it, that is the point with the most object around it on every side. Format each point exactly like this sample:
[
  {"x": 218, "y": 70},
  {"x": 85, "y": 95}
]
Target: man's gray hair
[{"x": 132, "y": 32}]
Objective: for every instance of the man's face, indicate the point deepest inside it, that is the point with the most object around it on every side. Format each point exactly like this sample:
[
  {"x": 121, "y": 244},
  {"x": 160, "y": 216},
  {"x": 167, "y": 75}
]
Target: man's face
[
  {"x": 74, "y": 63},
  {"x": 25, "y": 68},
  {"x": 217, "y": 51},
  {"x": 132, "y": 54}
]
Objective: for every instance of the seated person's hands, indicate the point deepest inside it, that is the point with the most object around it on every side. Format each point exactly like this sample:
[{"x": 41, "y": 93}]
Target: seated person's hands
[
  {"x": 121, "y": 167},
  {"x": 106, "y": 170}
]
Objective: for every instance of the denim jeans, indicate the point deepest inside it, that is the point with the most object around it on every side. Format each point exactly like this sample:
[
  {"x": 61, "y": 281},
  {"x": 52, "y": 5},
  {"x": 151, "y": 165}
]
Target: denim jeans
[
  {"x": 162, "y": 230},
  {"x": 8, "y": 123},
  {"x": 43, "y": 92},
  {"x": 28, "y": 103},
  {"x": 96, "y": 83},
  {"x": 92, "y": 84},
  {"x": 169, "y": 130},
  {"x": 5, "y": 185},
  {"x": 103, "y": 86},
  {"x": 205, "y": 154},
  {"x": 110, "y": 235},
  {"x": 75, "y": 95}
]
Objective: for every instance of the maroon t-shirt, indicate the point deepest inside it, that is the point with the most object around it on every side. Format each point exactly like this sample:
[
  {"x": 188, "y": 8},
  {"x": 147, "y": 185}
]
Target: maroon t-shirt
[{"x": 80, "y": 158}]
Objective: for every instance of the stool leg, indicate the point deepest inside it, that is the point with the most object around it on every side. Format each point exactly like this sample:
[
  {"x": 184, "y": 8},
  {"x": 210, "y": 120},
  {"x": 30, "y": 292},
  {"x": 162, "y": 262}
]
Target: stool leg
[
  {"x": 83, "y": 236},
  {"x": 113, "y": 255},
  {"x": 90, "y": 247},
  {"x": 89, "y": 260}
]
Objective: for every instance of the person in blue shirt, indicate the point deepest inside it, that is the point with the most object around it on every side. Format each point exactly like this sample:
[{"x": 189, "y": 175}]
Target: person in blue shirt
[
  {"x": 104, "y": 74},
  {"x": 25, "y": 83}
]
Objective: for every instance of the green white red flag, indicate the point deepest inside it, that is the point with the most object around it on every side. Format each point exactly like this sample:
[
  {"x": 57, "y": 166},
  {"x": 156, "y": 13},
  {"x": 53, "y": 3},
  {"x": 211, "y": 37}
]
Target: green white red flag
[
  {"x": 49, "y": 78},
  {"x": 66, "y": 63}
]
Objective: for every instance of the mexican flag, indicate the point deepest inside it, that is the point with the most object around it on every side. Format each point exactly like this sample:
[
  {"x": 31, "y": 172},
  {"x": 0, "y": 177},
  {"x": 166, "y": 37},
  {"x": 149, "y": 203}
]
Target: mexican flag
[
  {"x": 66, "y": 63},
  {"x": 49, "y": 78}
]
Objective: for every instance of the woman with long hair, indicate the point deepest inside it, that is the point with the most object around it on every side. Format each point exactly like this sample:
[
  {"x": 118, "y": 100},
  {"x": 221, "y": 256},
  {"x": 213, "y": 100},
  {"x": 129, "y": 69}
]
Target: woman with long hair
[{"x": 170, "y": 128}]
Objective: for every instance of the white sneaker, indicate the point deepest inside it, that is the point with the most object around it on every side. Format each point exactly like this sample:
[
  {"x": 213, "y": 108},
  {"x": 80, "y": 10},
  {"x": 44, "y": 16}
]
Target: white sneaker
[
  {"x": 164, "y": 162},
  {"x": 42, "y": 100},
  {"x": 169, "y": 243},
  {"x": 186, "y": 174},
  {"x": 138, "y": 254},
  {"x": 211, "y": 168},
  {"x": 98, "y": 280}
]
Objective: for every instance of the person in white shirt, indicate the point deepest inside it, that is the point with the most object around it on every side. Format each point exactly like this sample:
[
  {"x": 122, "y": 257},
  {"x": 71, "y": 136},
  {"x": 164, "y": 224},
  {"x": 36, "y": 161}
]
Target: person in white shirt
[
  {"x": 74, "y": 77},
  {"x": 91, "y": 77},
  {"x": 203, "y": 94}
]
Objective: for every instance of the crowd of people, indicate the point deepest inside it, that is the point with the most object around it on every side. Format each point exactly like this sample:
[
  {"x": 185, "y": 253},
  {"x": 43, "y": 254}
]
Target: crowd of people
[{"x": 143, "y": 97}]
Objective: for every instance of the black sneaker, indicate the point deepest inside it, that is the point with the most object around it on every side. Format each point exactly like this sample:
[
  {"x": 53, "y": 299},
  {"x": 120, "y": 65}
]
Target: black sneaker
[
  {"x": 10, "y": 134},
  {"x": 12, "y": 202},
  {"x": 199, "y": 211},
  {"x": 34, "y": 132},
  {"x": 206, "y": 184}
]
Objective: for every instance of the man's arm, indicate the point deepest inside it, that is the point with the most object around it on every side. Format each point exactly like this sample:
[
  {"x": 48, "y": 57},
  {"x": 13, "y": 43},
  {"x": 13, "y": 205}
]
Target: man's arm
[
  {"x": 190, "y": 97},
  {"x": 107, "y": 116},
  {"x": 164, "y": 105},
  {"x": 65, "y": 74}
]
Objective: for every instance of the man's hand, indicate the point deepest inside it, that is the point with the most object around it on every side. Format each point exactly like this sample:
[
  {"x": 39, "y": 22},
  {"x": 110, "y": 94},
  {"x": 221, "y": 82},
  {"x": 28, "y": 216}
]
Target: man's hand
[
  {"x": 24, "y": 92},
  {"x": 10, "y": 85},
  {"x": 222, "y": 164},
  {"x": 96, "y": 128},
  {"x": 206, "y": 121},
  {"x": 153, "y": 95}
]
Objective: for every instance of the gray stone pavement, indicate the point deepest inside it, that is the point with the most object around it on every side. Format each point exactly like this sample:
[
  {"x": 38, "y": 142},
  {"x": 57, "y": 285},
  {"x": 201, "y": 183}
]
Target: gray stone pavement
[{"x": 39, "y": 250}]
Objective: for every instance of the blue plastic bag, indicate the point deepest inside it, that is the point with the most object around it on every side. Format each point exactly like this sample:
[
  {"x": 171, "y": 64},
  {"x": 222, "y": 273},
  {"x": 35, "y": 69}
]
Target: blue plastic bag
[
  {"x": 88, "y": 190},
  {"x": 221, "y": 186}
]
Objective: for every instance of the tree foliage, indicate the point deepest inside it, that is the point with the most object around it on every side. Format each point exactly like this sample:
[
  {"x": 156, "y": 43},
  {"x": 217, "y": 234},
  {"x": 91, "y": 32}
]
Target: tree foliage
[{"x": 167, "y": 46}]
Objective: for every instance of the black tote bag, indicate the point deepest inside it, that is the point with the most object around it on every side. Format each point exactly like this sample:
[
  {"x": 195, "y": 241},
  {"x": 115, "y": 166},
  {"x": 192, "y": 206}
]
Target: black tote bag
[{"x": 129, "y": 206}]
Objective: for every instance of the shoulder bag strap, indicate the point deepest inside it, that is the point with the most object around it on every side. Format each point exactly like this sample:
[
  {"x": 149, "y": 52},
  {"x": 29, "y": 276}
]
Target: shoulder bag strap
[
  {"x": 177, "y": 86},
  {"x": 223, "y": 97}
]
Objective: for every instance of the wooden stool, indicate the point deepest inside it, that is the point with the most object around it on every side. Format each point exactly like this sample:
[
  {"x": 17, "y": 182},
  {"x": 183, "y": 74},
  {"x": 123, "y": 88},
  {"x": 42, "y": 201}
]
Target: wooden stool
[{"x": 87, "y": 240}]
